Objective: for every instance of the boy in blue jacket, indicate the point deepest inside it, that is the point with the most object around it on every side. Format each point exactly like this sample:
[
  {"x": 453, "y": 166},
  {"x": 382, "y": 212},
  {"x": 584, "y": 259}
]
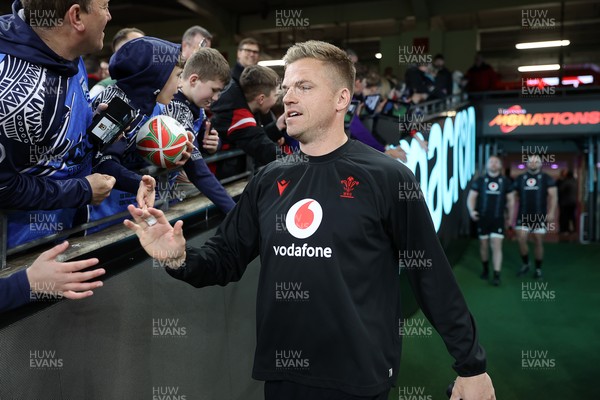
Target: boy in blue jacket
[{"x": 205, "y": 74}]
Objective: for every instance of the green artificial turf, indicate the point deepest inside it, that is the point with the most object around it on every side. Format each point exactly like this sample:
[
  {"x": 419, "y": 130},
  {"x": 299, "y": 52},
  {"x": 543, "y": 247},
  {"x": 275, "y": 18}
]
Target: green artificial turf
[{"x": 542, "y": 340}]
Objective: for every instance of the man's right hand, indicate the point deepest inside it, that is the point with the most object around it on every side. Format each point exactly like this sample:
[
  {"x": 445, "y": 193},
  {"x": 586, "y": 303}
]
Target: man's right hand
[
  {"x": 161, "y": 241},
  {"x": 101, "y": 186},
  {"x": 474, "y": 215}
]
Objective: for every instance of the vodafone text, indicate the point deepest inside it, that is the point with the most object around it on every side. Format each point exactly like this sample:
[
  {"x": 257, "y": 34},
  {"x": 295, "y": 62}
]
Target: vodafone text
[{"x": 302, "y": 251}]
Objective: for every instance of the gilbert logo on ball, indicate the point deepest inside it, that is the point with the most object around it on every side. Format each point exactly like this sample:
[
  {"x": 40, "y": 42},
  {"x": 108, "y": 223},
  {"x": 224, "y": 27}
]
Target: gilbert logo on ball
[{"x": 161, "y": 141}]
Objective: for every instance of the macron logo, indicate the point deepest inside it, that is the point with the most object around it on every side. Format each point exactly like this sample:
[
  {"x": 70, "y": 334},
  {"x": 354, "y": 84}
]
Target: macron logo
[{"x": 282, "y": 185}]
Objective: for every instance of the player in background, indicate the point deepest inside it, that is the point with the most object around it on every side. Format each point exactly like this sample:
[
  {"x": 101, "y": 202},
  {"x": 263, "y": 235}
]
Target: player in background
[
  {"x": 489, "y": 197},
  {"x": 537, "y": 207}
]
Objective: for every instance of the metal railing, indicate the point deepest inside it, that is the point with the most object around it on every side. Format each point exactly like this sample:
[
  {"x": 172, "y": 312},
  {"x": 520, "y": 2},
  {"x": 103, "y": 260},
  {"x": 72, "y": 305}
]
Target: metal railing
[{"x": 432, "y": 109}]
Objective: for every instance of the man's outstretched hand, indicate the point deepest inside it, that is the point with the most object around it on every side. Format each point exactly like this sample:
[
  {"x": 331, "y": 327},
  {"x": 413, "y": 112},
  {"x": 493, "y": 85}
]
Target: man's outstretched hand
[{"x": 161, "y": 241}]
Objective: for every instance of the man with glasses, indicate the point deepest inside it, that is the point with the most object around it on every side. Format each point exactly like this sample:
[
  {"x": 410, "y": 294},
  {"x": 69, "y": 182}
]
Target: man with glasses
[{"x": 247, "y": 55}]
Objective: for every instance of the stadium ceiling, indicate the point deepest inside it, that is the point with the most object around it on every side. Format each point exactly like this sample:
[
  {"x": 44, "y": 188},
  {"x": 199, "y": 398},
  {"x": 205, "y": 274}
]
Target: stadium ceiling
[{"x": 360, "y": 25}]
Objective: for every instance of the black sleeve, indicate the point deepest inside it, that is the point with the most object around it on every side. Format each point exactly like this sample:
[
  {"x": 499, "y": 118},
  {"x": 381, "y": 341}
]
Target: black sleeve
[
  {"x": 515, "y": 184},
  {"x": 248, "y": 136},
  {"x": 510, "y": 185},
  {"x": 435, "y": 287},
  {"x": 224, "y": 257},
  {"x": 476, "y": 185},
  {"x": 273, "y": 131},
  {"x": 255, "y": 143}
]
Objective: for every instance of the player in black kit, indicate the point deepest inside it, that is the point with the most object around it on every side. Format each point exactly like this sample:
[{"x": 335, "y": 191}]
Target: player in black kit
[
  {"x": 489, "y": 196},
  {"x": 346, "y": 226},
  {"x": 537, "y": 195}
]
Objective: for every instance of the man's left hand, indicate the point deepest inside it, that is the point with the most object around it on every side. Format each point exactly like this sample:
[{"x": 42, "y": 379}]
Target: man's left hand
[{"x": 478, "y": 387}]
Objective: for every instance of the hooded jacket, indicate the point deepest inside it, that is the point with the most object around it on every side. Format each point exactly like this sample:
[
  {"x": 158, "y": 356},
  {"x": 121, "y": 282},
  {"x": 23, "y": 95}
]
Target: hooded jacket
[
  {"x": 141, "y": 67},
  {"x": 45, "y": 153},
  {"x": 19, "y": 40}
]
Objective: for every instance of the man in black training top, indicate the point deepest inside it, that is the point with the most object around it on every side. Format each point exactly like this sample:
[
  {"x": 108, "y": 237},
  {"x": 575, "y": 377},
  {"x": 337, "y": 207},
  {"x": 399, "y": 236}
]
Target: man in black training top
[
  {"x": 346, "y": 226},
  {"x": 537, "y": 195},
  {"x": 489, "y": 196}
]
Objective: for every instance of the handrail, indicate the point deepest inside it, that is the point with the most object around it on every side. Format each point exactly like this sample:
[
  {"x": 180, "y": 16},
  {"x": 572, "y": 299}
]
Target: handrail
[{"x": 431, "y": 108}]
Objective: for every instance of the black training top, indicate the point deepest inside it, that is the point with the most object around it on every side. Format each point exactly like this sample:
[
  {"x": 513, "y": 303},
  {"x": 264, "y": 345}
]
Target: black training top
[
  {"x": 491, "y": 199},
  {"x": 533, "y": 192},
  {"x": 329, "y": 231}
]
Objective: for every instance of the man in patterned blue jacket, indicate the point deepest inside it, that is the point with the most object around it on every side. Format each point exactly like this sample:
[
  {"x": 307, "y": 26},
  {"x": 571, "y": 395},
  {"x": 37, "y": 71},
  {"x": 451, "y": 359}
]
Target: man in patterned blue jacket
[{"x": 45, "y": 154}]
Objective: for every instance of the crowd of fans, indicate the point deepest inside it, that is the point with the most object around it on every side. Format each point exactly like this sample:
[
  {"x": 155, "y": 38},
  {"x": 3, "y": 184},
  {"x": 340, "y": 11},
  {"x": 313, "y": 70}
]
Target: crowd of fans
[{"x": 54, "y": 177}]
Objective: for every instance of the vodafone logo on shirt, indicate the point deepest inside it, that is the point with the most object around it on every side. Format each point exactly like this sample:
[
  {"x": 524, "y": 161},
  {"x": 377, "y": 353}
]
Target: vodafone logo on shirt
[
  {"x": 492, "y": 188},
  {"x": 302, "y": 221},
  {"x": 531, "y": 184},
  {"x": 304, "y": 218}
]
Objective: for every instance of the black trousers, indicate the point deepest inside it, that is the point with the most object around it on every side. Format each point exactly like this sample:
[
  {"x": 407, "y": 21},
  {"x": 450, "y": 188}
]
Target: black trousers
[
  {"x": 567, "y": 214},
  {"x": 285, "y": 390}
]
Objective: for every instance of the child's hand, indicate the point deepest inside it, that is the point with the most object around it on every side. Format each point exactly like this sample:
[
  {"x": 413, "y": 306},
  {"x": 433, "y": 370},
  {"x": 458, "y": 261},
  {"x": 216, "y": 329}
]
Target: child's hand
[
  {"x": 187, "y": 153},
  {"x": 146, "y": 192},
  {"x": 210, "y": 143}
]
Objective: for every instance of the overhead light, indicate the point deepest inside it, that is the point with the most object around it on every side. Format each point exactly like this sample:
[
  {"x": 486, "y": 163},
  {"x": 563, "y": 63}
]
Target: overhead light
[
  {"x": 539, "y": 45},
  {"x": 533, "y": 68},
  {"x": 272, "y": 63},
  {"x": 577, "y": 80},
  {"x": 567, "y": 80},
  {"x": 378, "y": 56}
]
